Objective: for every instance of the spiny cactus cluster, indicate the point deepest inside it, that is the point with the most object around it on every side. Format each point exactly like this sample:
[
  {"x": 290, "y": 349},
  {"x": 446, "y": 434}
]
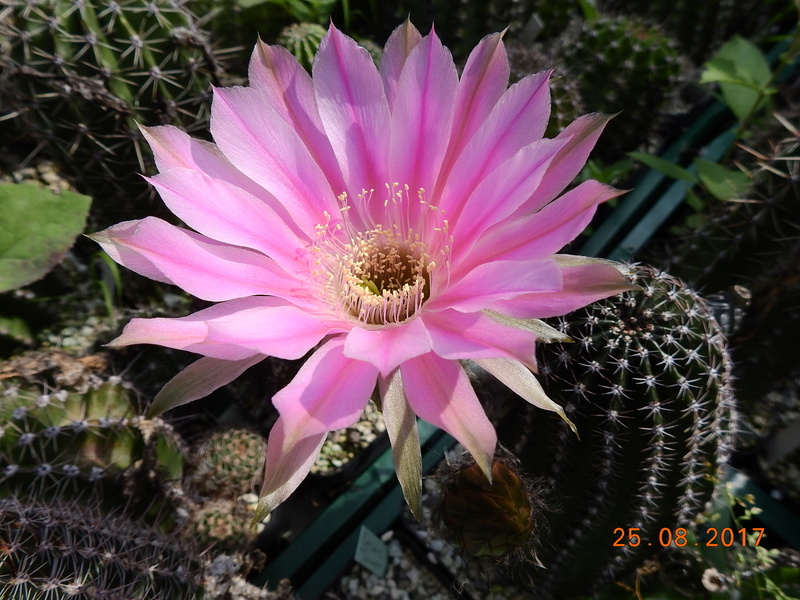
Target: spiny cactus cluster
[
  {"x": 75, "y": 462},
  {"x": 77, "y": 76},
  {"x": 58, "y": 549},
  {"x": 646, "y": 382},
  {"x": 64, "y": 441},
  {"x": 619, "y": 64},
  {"x": 228, "y": 462},
  {"x": 226, "y": 466}
]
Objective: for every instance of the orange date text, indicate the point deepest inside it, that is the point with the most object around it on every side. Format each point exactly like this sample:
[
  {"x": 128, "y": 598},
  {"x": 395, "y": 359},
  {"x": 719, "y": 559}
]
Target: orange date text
[{"x": 727, "y": 537}]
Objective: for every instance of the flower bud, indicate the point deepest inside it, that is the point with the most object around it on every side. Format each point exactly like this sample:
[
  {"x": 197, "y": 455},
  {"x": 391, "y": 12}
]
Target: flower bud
[{"x": 488, "y": 519}]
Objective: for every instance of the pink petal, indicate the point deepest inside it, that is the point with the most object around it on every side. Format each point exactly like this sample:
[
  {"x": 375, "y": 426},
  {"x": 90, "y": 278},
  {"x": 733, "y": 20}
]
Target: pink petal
[
  {"x": 519, "y": 118},
  {"x": 502, "y": 192},
  {"x": 482, "y": 84},
  {"x": 440, "y": 392},
  {"x": 289, "y": 90},
  {"x": 233, "y": 330},
  {"x": 353, "y": 109},
  {"x": 423, "y": 114},
  {"x": 583, "y": 284},
  {"x": 582, "y": 134},
  {"x": 229, "y": 214},
  {"x": 535, "y": 236},
  {"x": 269, "y": 150},
  {"x": 174, "y": 149},
  {"x": 282, "y": 331},
  {"x": 200, "y": 266},
  {"x": 457, "y": 336},
  {"x": 492, "y": 282},
  {"x": 386, "y": 348},
  {"x": 197, "y": 381},
  {"x": 329, "y": 392},
  {"x": 288, "y": 462},
  {"x": 399, "y": 45}
]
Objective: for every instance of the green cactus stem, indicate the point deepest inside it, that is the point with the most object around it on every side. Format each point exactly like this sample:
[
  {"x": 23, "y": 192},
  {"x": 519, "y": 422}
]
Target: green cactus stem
[
  {"x": 228, "y": 463},
  {"x": 621, "y": 65},
  {"x": 66, "y": 442},
  {"x": 646, "y": 382}
]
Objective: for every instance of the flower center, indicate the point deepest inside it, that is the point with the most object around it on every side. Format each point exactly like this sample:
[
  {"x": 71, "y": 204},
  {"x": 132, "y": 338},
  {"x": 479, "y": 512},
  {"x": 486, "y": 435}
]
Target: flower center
[{"x": 380, "y": 273}]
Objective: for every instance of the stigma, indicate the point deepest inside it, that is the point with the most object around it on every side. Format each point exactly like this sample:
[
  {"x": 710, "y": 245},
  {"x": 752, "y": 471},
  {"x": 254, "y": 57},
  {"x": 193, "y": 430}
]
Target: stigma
[{"x": 377, "y": 264}]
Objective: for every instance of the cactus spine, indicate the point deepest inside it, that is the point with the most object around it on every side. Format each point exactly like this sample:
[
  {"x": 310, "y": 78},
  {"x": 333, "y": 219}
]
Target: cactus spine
[{"x": 646, "y": 384}]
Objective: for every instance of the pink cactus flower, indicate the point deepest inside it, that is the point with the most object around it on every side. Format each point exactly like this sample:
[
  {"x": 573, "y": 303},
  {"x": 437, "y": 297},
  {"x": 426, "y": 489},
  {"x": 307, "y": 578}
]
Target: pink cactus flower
[{"x": 392, "y": 222}]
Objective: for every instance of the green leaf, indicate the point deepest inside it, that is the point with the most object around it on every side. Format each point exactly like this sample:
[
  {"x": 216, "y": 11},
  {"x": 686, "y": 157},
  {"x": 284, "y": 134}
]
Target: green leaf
[
  {"x": 723, "y": 183},
  {"x": 16, "y": 328},
  {"x": 589, "y": 10},
  {"x": 749, "y": 62},
  {"x": 695, "y": 201},
  {"x": 720, "y": 69},
  {"x": 663, "y": 166},
  {"x": 743, "y": 73},
  {"x": 37, "y": 227}
]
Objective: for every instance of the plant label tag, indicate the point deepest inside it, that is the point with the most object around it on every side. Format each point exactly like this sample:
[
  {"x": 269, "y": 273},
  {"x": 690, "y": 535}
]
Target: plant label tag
[{"x": 371, "y": 552}]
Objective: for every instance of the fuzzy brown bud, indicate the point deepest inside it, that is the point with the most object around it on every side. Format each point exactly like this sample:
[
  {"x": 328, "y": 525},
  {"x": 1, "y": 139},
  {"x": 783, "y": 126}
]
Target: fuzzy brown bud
[{"x": 487, "y": 519}]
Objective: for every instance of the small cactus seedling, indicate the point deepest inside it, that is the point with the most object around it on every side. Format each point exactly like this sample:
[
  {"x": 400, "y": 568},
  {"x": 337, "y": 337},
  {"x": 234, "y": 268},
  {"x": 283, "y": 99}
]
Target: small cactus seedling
[
  {"x": 646, "y": 384},
  {"x": 228, "y": 463},
  {"x": 223, "y": 524}
]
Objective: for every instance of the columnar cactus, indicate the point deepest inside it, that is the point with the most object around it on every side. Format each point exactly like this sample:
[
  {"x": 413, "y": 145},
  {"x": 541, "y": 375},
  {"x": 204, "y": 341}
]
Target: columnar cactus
[
  {"x": 645, "y": 382},
  {"x": 57, "y": 549},
  {"x": 77, "y": 76}
]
